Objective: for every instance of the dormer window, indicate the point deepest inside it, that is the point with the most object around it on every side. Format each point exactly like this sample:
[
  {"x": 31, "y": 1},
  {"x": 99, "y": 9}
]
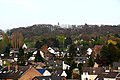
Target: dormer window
[{"x": 94, "y": 71}]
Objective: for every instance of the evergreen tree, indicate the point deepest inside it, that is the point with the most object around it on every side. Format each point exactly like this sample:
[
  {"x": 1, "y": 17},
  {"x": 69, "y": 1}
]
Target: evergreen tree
[
  {"x": 38, "y": 45},
  {"x": 38, "y": 57},
  {"x": 72, "y": 51},
  {"x": 21, "y": 57},
  {"x": 90, "y": 61}
]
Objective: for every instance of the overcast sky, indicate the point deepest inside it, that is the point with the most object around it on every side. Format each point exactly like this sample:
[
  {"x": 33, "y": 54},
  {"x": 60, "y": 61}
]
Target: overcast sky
[{"x": 22, "y": 13}]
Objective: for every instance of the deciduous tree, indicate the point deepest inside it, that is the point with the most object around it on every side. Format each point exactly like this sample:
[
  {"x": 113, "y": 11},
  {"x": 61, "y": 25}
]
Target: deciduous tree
[{"x": 17, "y": 39}]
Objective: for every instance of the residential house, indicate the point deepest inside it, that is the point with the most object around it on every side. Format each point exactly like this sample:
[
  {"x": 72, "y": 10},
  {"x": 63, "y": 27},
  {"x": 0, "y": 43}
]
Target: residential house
[
  {"x": 116, "y": 65},
  {"x": 65, "y": 66},
  {"x": 55, "y": 75},
  {"x": 111, "y": 76},
  {"x": 59, "y": 73},
  {"x": 54, "y": 64},
  {"x": 32, "y": 58},
  {"x": 19, "y": 73},
  {"x": 118, "y": 76},
  {"x": 49, "y": 78},
  {"x": 82, "y": 59},
  {"x": 44, "y": 72},
  {"x": 90, "y": 73},
  {"x": 89, "y": 51}
]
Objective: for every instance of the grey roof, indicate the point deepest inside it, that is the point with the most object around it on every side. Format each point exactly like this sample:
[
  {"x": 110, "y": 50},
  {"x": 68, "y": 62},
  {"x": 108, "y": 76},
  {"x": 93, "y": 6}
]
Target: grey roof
[
  {"x": 48, "y": 78},
  {"x": 92, "y": 70},
  {"x": 57, "y": 73},
  {"x": 111, "y": 75},
  {"x": 101, "y": 76},
  {"x": 116, "y": 64}
]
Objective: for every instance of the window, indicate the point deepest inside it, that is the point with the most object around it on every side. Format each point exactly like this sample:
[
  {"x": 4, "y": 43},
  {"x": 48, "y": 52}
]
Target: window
[{"x": 86, "y": 79}]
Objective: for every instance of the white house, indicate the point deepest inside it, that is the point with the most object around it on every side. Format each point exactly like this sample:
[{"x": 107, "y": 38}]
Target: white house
[
  {"x": 111, "y": 76},
  {"x": 89, "y": 51},
  {"x": 46, "y": 73},
  {"x": 65, "y": 66},
  {"x": 51, "y": 50},
  {"x": 86, "y": 76},
  {"x": 24, "y": 46},
  {"x": 42, "y": 54},
  {"x": 32, "y": 58},
  {"x": 91, "y": 73},
  {"x": 64, "y": 74},
  {"x": 0, "y": 62}
]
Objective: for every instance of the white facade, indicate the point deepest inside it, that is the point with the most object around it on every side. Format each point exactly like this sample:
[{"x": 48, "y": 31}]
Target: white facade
[
  {"x": 46, "y": 73},
  {"x": 89, "y": 51},
  {"x": 65, "y": 66},
  {"x": 32, "y": 58},
  {"x": 86, "y": 76},
  {"x": 42, "y": 54},
  {"x": 24, "y": 46},
  {"x": 51, "y": 50},
  {"x": 64, "y": 74},
  {"x": 109, "y": 79},
  {"x": 0, "y": 62}
]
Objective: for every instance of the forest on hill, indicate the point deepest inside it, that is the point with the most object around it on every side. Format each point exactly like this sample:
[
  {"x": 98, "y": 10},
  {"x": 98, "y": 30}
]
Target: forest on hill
[{"x": 51, "y": 31}]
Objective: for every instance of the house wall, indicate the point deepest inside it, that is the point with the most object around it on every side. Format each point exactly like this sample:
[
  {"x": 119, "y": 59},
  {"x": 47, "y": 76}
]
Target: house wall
[
  {"x": 30, "y": 74},
  {"x": 90, "y": 77},
  {"x": 109, "y": 79}
]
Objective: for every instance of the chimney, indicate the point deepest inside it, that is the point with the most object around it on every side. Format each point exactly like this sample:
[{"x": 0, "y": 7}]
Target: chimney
[{"x": 16, "y": 68}]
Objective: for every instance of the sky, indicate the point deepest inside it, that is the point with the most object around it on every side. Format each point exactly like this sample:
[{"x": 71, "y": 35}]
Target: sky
[{"x": 23, "y": 13}]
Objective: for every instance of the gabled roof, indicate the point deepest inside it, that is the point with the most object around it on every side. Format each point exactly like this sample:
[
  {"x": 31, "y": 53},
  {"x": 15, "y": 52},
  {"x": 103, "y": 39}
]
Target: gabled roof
[
  {"x": 101, "y": 76},
  {"x": 64, "y": 74},
  {"x": 48, "y": 78},
  {"x": 111, "y": 75},
  {"x": 58, "y": 73},
  {"x": 24, "y": 46},
  {"x": 11, "y": 73},
  {"x": 93, "y": 70}
]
